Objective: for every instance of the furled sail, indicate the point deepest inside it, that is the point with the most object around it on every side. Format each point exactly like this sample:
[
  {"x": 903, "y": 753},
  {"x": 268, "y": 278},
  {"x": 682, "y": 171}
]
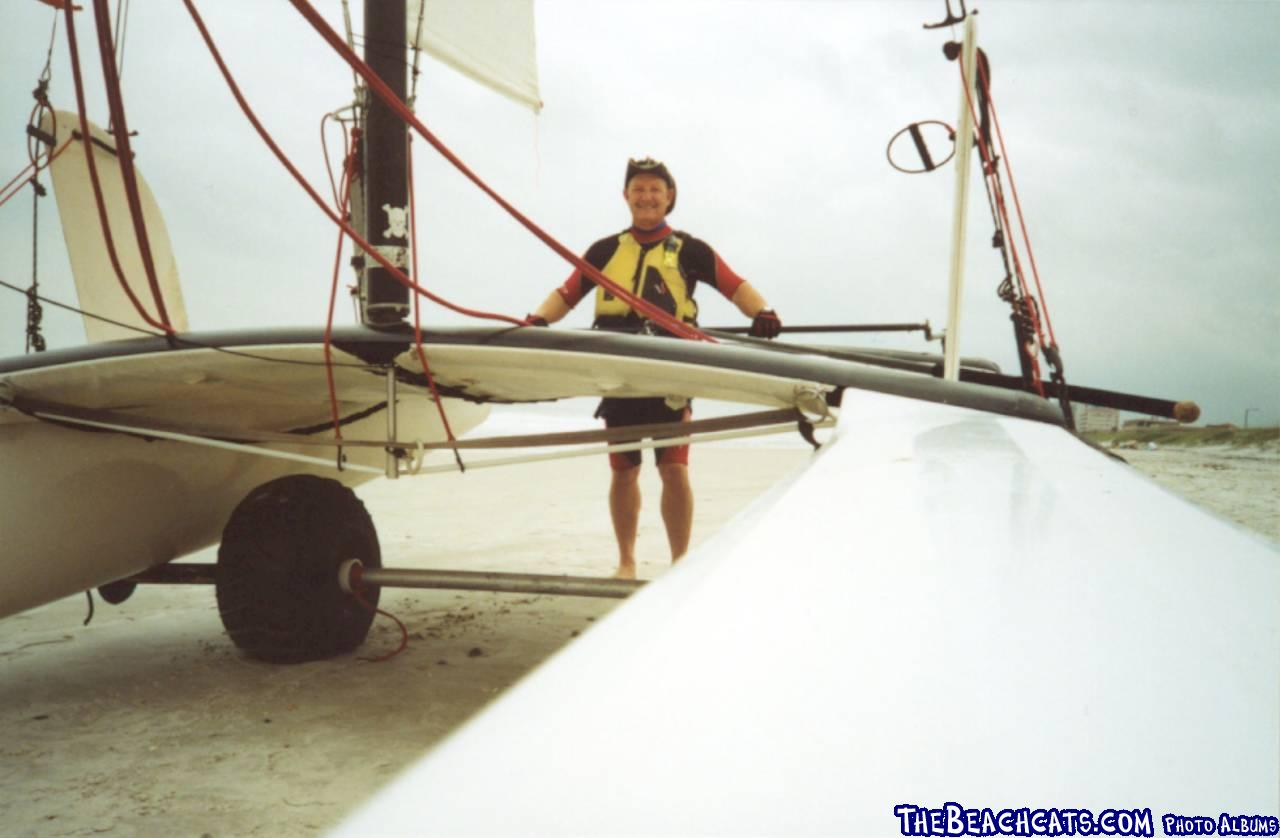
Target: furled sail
[{"x": 492, "y": 42}]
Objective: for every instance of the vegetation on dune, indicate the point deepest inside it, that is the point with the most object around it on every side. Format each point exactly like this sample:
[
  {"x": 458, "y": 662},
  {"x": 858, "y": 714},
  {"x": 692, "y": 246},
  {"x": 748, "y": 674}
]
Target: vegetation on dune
[{"x": 1189, "y": 437}]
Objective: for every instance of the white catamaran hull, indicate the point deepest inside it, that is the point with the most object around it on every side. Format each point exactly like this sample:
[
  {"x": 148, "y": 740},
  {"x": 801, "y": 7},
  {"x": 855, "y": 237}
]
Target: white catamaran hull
[
  {"x": 92, "y": 494},
  {"x": 946, "y": 606},
  {"x": 93, "y": 507}
]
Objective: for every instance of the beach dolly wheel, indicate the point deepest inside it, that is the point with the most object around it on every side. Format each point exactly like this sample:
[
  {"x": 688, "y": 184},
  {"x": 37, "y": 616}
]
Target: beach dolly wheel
[{"x": 277, "y": 574}]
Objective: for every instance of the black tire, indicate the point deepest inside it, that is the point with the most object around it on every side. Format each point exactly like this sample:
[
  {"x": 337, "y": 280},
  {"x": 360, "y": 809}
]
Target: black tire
[{"x": 277, "y": 576}]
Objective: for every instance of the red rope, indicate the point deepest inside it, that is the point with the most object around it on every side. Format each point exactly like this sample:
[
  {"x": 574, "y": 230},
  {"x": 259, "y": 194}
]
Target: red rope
[
  {"x": 392, "y": 101},
  {"x": 990, "y": 172},
  {"x": 1013, "y": 186},
  {"x": 87, "y": 140},
  {"x": 357, "y": 575},
  {"x": 404, "y": 632},
  {"x": 990, "y": 166},
  {"x": 368, "y": 248},
  {"x": 115, "y": 100},
  {"x": 20, "y": 175},
  {"x": 16, "y": 178}
]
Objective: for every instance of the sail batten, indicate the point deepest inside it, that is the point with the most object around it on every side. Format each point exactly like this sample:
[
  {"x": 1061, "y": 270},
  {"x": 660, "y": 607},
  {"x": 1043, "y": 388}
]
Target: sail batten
[{"x": 492, "y": 43}]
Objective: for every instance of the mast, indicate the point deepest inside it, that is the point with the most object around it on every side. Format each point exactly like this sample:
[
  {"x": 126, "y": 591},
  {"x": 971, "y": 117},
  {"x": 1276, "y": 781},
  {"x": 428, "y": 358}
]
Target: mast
[
  {"x": 964, "y": 153},
  {"x": 383, "y": 300}
]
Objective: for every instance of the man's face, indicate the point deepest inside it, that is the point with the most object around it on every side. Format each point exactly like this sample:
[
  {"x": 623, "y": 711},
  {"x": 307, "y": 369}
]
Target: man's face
[{"x": 648, "y": 197}]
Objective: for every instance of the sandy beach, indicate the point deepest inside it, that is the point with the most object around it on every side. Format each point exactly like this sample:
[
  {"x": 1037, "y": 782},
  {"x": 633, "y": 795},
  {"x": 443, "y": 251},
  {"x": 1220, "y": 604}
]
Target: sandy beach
[
  {"x": 1239, "y": 484},
  {"x": 148, "y": 721}
]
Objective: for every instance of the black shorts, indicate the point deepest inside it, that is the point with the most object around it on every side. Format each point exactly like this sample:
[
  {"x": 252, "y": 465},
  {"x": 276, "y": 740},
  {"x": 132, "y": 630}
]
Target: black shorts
[{"x": 622, "y": 413}]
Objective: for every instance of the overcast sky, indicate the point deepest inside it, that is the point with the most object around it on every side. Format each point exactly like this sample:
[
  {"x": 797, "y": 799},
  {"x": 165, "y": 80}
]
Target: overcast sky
[{"x": 1142, "y": 135}]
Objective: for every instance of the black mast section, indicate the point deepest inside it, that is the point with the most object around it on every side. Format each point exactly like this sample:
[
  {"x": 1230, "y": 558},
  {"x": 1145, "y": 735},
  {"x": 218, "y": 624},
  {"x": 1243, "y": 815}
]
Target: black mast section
[{"x": 386, "y": 171}]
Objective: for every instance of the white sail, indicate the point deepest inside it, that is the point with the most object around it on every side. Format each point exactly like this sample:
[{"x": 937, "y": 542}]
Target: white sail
[
  {"x": 96, "y": 283},
  {"x": 492, "y": 42}
]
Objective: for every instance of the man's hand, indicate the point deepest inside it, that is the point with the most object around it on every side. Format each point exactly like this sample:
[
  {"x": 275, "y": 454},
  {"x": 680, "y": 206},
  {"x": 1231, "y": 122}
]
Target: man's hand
[{"x": 766, "y": 324}]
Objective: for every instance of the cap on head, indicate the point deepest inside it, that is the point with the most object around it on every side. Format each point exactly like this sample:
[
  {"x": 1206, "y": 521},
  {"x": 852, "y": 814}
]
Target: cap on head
[{"x": 649, "y": 166}]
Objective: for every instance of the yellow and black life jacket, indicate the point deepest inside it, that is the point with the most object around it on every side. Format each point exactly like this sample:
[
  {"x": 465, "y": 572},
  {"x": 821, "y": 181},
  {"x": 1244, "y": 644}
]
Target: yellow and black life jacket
[{"x": 651, "y": 272}]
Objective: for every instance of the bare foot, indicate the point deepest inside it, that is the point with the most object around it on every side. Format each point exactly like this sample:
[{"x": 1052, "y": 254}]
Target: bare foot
[{"x": 625, "y": 571}]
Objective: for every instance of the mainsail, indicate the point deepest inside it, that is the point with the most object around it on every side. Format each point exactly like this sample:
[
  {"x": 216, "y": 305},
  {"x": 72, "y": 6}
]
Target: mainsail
[{"x": 493, "y": 43}]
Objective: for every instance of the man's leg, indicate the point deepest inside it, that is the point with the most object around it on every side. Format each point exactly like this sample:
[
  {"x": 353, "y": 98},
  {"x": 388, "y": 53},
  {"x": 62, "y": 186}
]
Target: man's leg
[
  {"x": 677, "y": 507},
  {"x": 624, "y": 508}
]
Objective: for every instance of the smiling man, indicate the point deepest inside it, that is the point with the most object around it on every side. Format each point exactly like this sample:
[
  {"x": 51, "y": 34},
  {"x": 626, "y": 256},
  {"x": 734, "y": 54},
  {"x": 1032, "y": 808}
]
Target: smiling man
[{"x": 663, "y": 267}]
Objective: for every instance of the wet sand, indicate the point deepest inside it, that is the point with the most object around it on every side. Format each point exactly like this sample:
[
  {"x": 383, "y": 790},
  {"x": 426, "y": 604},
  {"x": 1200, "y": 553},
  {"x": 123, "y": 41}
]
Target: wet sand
[{"x": 149, "y": 722}]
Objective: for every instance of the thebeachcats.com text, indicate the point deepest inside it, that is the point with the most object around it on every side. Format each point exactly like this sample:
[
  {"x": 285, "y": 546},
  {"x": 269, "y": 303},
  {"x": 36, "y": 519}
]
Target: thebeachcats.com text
[
  {"x": 953, "y": 819},
  {"x": 1223, "y": 824}
]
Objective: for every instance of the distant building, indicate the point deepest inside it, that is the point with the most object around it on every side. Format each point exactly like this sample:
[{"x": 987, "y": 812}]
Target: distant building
[
  {"x": 1150, "y": 422},
  {"x": 1225, "y": 426},
  {"x": 1090, "y": 417}
]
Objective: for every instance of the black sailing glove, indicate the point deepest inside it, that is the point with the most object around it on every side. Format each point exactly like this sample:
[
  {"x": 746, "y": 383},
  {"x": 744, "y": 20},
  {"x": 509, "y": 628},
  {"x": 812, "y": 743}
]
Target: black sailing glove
[{"x": 766, "y": 324}]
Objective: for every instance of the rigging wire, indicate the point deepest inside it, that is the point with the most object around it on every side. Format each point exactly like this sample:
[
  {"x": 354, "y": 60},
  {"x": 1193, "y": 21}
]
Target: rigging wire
[
  {"x": 34, "y": 340},
  {"x": 47, "y": 72},
  {"x": 115, "y": 100},
  {"x": 184, "y": 341},
  {"x": 41, "y": 95},
  {"x": 990, "y": 170},
  {"x": 4, "y": 199},
  {"x": 87, "y": 140},
  {"x": 660, "y": 317},
  {"x": 122, "y": 28},
  {"x": 21, "y": 179},
  {"x": 117, "y": 39},
  {"x": 351, "y": 42},
  {"x": 667, "y": 322},
  {"x": 417, "y": 316},
  {"x": 369, "y": 249},
  {"x": 413, "y": 244},
  {"x": 1026, "y": 307},
  {"x": 417, "y": 55},
  {"x": 1013, "y": 187}
]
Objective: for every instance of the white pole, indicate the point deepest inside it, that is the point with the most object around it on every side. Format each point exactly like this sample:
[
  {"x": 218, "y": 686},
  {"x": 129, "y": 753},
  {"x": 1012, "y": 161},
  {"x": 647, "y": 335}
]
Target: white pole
[{"x": 964, "y": 153}]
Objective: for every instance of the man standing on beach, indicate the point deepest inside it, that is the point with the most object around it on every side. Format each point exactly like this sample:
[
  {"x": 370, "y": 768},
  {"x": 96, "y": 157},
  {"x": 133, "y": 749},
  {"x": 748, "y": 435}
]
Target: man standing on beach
[{"x": 661, "y": 266}]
